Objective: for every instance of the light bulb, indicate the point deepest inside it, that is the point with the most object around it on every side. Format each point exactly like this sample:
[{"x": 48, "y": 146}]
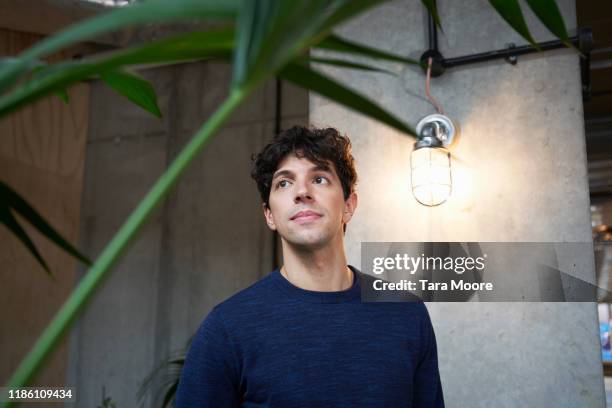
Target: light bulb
[{"x": 431, "y": 175}]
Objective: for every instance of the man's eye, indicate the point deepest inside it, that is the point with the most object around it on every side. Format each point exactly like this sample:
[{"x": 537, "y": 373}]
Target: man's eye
[
  {"x": 282, "y": 184},
  {"x": 321, "y": 180}
]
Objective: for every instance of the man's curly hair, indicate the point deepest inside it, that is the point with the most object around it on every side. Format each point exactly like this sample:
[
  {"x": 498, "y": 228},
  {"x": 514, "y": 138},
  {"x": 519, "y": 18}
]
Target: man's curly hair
[{"x": 317, "y": 145}]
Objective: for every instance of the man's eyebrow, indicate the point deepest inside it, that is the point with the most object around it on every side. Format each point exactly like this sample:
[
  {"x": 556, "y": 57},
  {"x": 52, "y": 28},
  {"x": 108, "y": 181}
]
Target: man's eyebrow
[
  {"x": 282, "y": 173},
  {"x": 321, "y": 167},
  {"x": 289, "y": 173}
]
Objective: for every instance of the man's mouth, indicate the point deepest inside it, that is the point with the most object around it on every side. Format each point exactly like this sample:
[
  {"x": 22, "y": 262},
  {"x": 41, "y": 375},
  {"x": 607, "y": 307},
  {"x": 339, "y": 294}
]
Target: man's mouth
[{"x": 305, "y": 216}]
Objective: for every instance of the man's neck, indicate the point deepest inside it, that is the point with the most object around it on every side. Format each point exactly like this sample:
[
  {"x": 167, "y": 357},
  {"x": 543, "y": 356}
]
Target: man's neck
[{"x": 322, "y": 270}]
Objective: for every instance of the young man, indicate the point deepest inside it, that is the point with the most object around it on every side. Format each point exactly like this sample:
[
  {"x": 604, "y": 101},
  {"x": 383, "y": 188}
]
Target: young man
[{"x": 301, "y": 337}]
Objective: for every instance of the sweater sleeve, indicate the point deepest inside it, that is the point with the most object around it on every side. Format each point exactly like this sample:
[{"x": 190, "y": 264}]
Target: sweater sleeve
[
  {"x": 427, "y": 386},
  {"x": 210, "y": 376}
]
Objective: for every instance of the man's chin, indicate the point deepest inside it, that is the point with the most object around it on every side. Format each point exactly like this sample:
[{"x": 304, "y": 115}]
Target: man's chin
[{"x": 308, "y": 243}]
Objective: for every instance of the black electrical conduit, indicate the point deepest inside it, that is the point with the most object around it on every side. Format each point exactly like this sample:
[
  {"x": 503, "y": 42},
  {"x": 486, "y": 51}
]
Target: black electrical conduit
[{"x": 583, "y": 41}]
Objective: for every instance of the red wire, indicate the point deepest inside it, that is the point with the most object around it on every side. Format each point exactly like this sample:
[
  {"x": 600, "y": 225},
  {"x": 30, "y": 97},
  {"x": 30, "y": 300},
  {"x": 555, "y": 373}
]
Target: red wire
[{"x": 431, "y": 98}]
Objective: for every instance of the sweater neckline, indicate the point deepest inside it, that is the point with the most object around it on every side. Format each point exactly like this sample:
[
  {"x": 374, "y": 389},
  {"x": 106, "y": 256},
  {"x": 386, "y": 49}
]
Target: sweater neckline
[{"x": 314, "y": 296}]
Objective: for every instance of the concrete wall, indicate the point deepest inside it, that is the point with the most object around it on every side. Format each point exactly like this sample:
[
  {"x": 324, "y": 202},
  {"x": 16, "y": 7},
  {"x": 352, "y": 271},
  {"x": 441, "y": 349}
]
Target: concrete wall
[
  {"x": 208, "y": 241},
  {"x": 519, "y": 174}
]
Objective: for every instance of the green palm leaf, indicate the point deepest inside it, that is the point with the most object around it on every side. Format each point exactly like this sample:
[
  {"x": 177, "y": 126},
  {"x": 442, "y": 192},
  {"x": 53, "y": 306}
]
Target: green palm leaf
[
  {"x": 214, "y": 43},
  {"x": 549, "y": 14},
  {"x": 63, "y": 95},
  {"x": 432, "y": 8},
  {"x": 137, "y": 14},
  {"x": 335, "y": 43},
  {"x": 510, "y": 11},
  {"x": 342, "y": 64},
  {"x": 271, "y": 33},
  {"x": 133, "y": 87},
  {"x": 309, "y": 79},
  {"x": 11, "y": 201},
  {"x": 345, "y": 11}
]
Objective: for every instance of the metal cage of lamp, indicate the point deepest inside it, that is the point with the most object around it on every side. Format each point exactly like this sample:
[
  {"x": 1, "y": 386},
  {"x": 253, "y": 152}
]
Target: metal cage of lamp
[{"x": 430, "y": 160}]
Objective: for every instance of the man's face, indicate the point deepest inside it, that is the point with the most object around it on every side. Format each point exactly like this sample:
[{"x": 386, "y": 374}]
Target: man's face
[{"x": 307, "y": 205}]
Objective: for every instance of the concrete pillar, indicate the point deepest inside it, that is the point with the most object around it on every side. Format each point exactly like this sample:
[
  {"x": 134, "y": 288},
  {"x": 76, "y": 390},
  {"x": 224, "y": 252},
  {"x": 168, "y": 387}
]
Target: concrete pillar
[{"x": 519, "y": 176}]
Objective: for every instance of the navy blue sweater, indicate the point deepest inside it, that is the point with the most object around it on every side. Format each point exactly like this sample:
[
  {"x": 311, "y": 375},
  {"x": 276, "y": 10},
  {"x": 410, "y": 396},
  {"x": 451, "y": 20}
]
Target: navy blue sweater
[{"x": 276, "y": 345}]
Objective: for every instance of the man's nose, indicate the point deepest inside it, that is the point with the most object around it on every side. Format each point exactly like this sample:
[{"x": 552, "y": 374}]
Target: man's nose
[{"x": 303, "y": 192}]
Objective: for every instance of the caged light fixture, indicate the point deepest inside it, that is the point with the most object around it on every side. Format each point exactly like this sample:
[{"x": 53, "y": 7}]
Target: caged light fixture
[{"x": 430, "y": 160}]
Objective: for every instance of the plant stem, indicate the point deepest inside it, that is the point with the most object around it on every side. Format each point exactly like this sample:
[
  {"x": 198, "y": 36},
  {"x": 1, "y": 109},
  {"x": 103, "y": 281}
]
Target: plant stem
[{"x": 119, "y": 243}]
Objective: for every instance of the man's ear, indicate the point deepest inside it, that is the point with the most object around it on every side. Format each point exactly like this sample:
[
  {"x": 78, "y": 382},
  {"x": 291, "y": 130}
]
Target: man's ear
[
  {"x": 350, "y": 205},
  {"x": 269, "y": 217}
]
